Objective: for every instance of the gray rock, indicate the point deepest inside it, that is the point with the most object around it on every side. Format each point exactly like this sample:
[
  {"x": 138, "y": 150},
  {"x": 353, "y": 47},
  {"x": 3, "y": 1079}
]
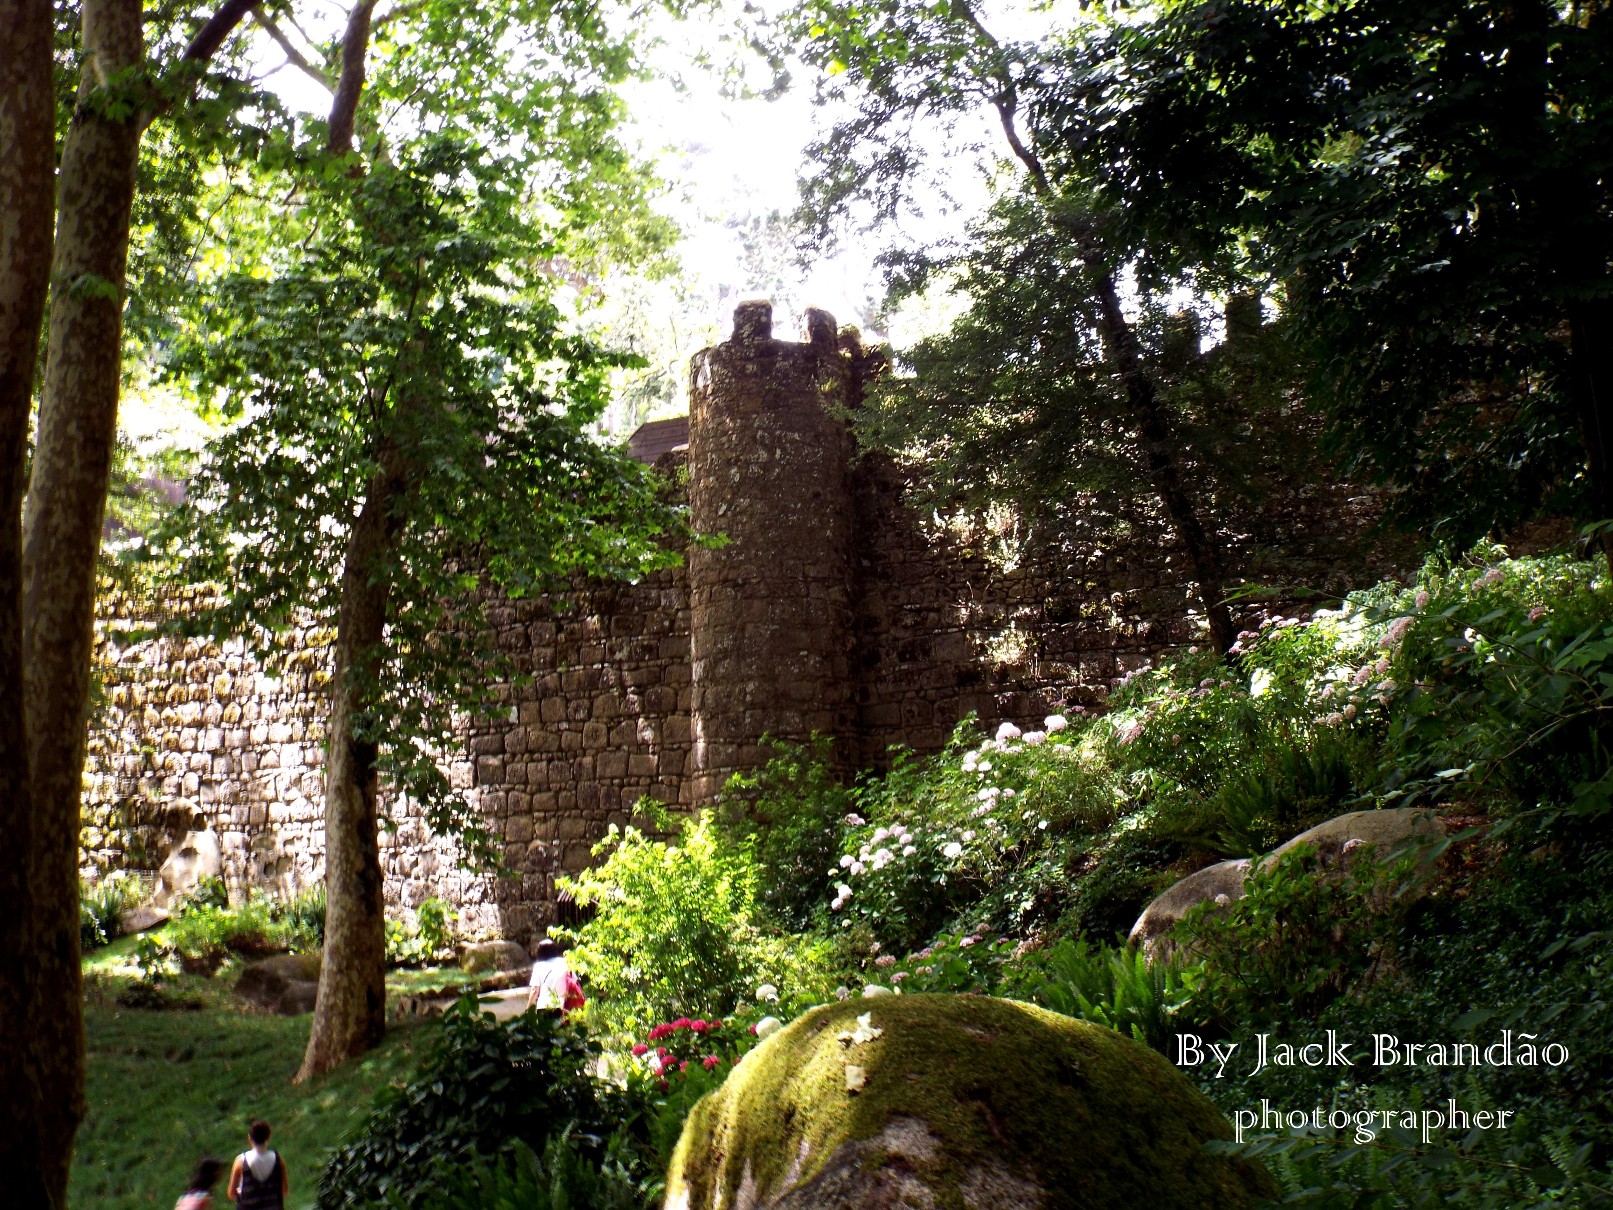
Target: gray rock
[
  {"x": 198, "y": 855},
  {"x": 1222, "y": 882},
  {"x": 140, "y": 919},
  {"x": 269, "y": 983},
  {"x": 494, "y": 956},
  {"x": 1337, "y": 841},
  {"x": 298, "y": 998},
  {"x": 1384, "y": 830}
]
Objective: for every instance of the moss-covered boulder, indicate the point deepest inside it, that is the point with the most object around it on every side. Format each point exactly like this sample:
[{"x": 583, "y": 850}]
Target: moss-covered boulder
[{"x": 954, "y": 1102}]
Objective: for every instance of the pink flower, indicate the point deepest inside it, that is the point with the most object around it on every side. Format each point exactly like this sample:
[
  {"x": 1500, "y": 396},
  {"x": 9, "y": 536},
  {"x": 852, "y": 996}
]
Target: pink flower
[
  {"x": 753, "y": 1029},
  {"x": 710, "y": 1061},
  {"x": 885, "y": 960},
  {"x": 640, "y": 1049},
  {"x": 967, "y": 942},
  {"x": 684, "y": 1066},
  {"x": 898, "y": 976}
]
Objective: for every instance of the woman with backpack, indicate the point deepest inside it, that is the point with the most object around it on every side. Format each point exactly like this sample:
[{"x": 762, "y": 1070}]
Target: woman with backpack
[{"x": 554, "y": 988}]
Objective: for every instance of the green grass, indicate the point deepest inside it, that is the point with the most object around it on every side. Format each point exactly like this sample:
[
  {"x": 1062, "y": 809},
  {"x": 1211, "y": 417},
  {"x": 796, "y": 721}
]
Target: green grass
[{"x": 166, "y": 1088}]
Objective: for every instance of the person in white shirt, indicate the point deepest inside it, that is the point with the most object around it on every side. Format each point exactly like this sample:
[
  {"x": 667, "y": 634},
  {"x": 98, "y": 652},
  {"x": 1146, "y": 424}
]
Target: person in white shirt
[{"x": 548, "y": 981}]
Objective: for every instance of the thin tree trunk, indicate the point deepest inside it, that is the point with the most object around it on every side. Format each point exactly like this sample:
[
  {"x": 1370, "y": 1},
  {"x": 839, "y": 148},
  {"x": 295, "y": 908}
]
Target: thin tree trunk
[
  {"x": 27, "y": 215},
  {"x": 1164, "y": 464},
  {"x": 350, "y": 1011},
  {"x": 61, "y": 537},
  {"x": 1120, "y": 340},
  {"x": 1590, "y": 323}
]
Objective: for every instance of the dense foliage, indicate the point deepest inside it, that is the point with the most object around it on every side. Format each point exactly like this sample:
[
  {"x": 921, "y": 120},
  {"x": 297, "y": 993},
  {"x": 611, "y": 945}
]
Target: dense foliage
[{"x": 1007, "y": 865}]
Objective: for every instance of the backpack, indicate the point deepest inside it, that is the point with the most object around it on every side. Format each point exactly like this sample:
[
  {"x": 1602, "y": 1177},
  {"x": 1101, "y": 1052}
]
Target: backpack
[{"x": 573, "y": 998}]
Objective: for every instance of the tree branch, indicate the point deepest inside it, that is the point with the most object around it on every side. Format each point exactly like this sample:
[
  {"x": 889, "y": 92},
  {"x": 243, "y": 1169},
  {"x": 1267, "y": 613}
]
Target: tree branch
[
  {"x": 350, "y": 85},
  {"x": 219, "y": 26},
  {"x": 293, "y": 56}
]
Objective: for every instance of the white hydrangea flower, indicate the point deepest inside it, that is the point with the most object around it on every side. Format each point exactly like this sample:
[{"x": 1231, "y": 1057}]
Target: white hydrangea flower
[
  {"x": 984, "y": 766},
  {"x": 1054, "y": 723},
  {"x": 952, "y": 851},
  {"x": 854, "y": 820},
  {"x": 767, "y": 994},
  {"x": 969, "y": 762},
  {"x": 882, "y": 859},
  {"x": 1008, "y": 731},
  {"x": 1032, "y": 738},
  {"x": 908, "y": 850},
  {"x": 987, "y": 793},
  {"x": 845, "y": 861}
]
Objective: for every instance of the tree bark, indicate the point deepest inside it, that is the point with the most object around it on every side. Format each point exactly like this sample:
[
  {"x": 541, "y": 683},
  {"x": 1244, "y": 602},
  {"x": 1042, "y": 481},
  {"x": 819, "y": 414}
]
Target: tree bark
[
  {"x": 61, "y": 532},
  {"x": 1164, "y": 463},
  {"x": 27, "y": 214},
  {"x": 350, "y": 1010},
  {"x": 1120, "y": 341},
  {"x": 61, "y": 536}
]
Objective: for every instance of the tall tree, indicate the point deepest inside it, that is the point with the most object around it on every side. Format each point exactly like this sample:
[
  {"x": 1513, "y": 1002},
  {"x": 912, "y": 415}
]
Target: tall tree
[
  {"x": 898, "y": 61},
  {"x": 1427, "y": 187},
  {"x": 411, "y": 414},
  {"x": 121, "y": 91},
  {"x": 27, "y": 213}
]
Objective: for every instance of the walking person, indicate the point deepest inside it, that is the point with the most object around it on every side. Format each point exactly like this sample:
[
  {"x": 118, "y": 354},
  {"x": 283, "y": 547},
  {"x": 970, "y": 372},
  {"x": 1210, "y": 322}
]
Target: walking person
[
  {"x": 258, "y": 1179},
  {"x": 198, "y": 1194},
  {"x": 554, "y": 987}
]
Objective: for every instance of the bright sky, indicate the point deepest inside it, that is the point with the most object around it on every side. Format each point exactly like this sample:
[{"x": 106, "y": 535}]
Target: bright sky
[{"x": 731, "y": 162}]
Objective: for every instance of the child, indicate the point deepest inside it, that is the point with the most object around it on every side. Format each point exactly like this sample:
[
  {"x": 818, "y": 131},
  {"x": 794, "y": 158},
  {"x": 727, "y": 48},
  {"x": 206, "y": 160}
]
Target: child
[{"x": 199, "y": 1193}]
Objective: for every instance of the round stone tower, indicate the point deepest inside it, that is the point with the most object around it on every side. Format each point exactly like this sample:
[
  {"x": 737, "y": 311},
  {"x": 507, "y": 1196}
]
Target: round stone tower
[{"x": 770, "y": 622}]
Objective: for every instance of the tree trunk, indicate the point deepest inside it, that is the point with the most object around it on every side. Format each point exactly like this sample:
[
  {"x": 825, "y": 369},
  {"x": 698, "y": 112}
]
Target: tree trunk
[
  {"x": 350, "y": 1011},
  {"x": 27, "y": 214},
  {"x": 1590, "y": 323},
  {"x": 1164, "y": 468},
  {"x": 61, "y": 536}
]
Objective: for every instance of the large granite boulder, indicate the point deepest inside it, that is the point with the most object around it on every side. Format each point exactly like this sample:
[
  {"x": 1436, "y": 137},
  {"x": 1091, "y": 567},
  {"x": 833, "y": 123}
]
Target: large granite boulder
[
  {"x": 1384, "y": 830},
  {"x": 481, "y": 956},
  {"x": 286, "y": 984},
  {"x": 1338, "y": 843},
  {"x": 964, "y": 1101},
  {"x": 198, "y": 855},
  {"x": 1219, "y": 883}
]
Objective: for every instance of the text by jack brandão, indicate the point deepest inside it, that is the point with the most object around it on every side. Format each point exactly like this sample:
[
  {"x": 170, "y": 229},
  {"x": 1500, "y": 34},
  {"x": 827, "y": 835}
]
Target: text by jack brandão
[{"x": 1509, "y": 1048}]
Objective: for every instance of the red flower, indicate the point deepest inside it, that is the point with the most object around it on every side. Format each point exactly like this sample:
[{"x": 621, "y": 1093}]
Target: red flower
[
  {"x": 641, "y": 1048},
  {"x": 684, "y": 1066},
  {"x": 711, "y": 1061},
  {"x": 753, "y": 1029}
]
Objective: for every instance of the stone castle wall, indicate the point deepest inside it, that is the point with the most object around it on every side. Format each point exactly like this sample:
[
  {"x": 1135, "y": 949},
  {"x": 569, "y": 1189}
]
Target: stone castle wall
[{"x": 834, "y": 607}]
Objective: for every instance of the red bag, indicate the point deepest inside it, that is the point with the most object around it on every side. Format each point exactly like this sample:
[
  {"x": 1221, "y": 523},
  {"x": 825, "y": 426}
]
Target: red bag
[{"x": 574, "y": 998}]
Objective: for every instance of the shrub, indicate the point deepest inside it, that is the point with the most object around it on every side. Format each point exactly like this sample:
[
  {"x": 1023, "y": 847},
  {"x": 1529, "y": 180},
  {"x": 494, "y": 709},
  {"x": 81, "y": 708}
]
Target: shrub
[
  {"x": 678, "y": 929},
  {"x": 1116, "y": 987},
  {"x": 101, "y": 904},
  {"x": 788, "y": 815},
  {"x": 1301, "y": 935},
  {"x": 303, "y": 917},
  {"x": 562, "y": 1178},
  {"x": 429, "y": 937},
  {"x": 483, "y": 1085}
]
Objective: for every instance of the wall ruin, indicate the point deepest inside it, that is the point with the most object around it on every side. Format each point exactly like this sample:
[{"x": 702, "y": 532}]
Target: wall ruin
[{"x": 834, "y": 607}]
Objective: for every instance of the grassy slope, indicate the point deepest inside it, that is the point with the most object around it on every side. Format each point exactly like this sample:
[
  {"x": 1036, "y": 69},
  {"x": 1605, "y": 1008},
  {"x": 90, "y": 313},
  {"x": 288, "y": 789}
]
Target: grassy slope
[{"x": 165, "y": 1088}]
